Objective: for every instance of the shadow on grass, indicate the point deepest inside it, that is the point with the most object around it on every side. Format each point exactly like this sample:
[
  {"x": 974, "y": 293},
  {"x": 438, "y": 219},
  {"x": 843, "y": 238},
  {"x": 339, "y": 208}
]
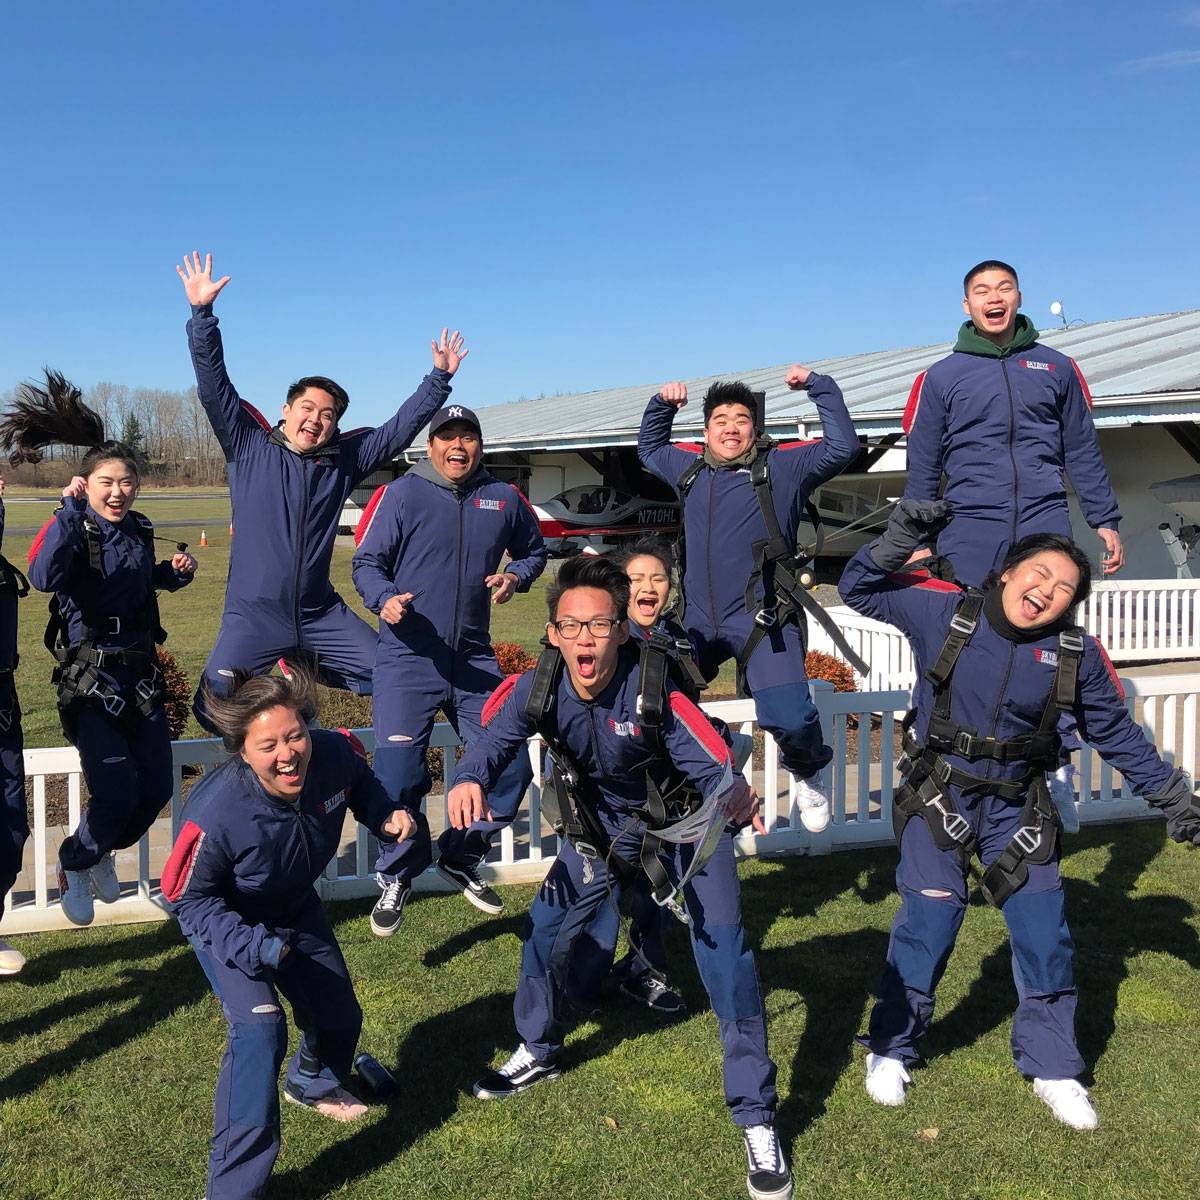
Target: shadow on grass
[
  {"x": 1110, "y": 926},
  {"x": 433, "y": 1062},
  {"x": 155, "y": 995},
  {"x": 486, "y": 930}
]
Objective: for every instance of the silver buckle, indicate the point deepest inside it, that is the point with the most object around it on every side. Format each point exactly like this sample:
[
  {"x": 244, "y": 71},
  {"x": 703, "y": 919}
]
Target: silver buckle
[
  {"x": 961, "y": 624},
  {"x": 114, "y": 705},
  {"x": 1028, "y": 838},
  {"x": 115, "y": 622},
  {"x": 768, "y": 618}
]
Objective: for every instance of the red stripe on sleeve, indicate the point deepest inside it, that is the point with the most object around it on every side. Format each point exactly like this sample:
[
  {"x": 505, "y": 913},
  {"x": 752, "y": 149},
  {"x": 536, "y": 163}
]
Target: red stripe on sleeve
[
  {"x": 693, "y": 447},
  {"x": 1112, "y": 671},
  {"x": 178, "y": 871},
  {"x": 364, "y": 522},
  {"x": 914, "y": 402},
  {"x": 36, "y": 544},
  {"x": 257, "y": 415},
  {"x": 352, "y": 738},
  {"x": 924, "y": 581},
  {"x": 524, "y": 499},
  {"x": 495, "y": 702},
  {"x": 1087, "y": 391},
  {"x": 699, "y": 726}
]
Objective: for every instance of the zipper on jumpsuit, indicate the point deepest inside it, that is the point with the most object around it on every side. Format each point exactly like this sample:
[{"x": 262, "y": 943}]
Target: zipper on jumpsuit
[
  {"x": 1012, "y": 650},
  {"x": 457, "y": 591},
  {"x": 1012, "y": 458},
  {"x": 300, "y": 553}
]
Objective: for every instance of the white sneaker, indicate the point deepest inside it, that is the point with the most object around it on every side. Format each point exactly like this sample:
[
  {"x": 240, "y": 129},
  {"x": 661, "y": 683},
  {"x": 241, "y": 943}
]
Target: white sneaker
[
  {"x": 886, "y": 1080},
  {"x": 1068, "y": 1101},
  {"x": 75, "y": 895},
  {"x": 1062, "y": 793},
  {"x": 813, "y": 803},
  {"x": 105, "y": 884},
  {"x": 11, "y": 960}
]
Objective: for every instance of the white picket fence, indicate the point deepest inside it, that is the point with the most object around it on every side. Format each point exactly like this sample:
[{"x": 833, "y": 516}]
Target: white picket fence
[
  {"x": 1138, "y": 620},
  {"x": 860, "y": 788}
]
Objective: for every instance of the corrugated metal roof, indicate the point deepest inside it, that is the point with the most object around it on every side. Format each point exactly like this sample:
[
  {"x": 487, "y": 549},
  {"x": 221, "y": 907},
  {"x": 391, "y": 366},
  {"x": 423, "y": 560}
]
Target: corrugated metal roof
[{"x": 1135, "y": 367}]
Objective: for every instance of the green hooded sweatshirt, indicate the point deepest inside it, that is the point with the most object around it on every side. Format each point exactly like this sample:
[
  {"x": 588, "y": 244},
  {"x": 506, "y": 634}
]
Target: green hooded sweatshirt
[{"x": 971, "y": 342}]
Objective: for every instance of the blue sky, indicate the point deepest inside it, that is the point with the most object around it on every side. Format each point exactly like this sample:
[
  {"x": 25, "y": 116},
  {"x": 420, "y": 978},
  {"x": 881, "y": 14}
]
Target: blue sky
[{"x": 597, "y": 194}]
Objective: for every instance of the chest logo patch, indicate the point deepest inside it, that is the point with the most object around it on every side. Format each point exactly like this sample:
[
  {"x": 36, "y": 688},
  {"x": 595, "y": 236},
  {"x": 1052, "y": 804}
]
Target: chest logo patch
[
  {"x": 624, "y": 728},
  {"x": 335, "y": 800},
  {"x": 1049, "y": 657},
  {"x": 489, "y": 505},
  {"x": 1033, "y": 365}
]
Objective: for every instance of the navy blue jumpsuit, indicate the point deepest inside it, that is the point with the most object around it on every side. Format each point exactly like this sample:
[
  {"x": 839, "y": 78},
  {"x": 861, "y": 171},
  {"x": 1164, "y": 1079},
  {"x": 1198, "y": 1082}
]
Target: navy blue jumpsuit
[
  {"x": 126, "y": 758},
  {"x": 999, "y": 688},
  {"x": 1004, "y": 426},
  {"x": 286, "y": 508},
  {"x": 721, "y": 521},
  {"x": 604, "y": 738},
  {"x": 440, "y": 541},
  {"x": 15, "y": 829},
  {"x": 240, "y": 881}
]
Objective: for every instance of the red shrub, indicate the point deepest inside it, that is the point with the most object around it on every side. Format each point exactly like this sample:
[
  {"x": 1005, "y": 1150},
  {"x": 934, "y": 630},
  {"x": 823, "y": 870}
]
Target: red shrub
[{"x": 513, "y": 658}]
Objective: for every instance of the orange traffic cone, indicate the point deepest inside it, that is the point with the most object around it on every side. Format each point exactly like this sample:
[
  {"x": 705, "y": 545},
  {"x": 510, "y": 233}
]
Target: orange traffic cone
[{"x": 203, "y": 537}]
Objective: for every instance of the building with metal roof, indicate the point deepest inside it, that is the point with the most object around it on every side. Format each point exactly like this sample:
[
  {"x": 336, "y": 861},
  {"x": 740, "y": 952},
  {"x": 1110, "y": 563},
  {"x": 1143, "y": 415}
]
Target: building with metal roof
[{"x": 1140, "y": 369}]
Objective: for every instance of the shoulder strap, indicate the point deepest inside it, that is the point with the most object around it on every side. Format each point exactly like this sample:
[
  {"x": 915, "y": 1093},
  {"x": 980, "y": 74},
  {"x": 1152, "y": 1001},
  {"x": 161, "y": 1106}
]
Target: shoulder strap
[
  {"x": 654, "y": 671},
  {"x": 963, "y": 624},
  {"x": 539, "y": 707},
  {"x": 684, "y": 484},
  {"x": 93, "y": 537},
  {"x": 1066, "y": 677}
]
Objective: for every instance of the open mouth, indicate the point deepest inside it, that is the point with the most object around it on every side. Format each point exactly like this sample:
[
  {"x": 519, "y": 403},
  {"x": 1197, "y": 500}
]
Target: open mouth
[
  {"x": 289, "y": 775},
  {"x": 585, "y": 664},
  {"x": 647, "y": 605},
  {"x": 115, "y": 506},
  {"x": 995, "y": 315},
  {"x": 1032, "y": 606}
]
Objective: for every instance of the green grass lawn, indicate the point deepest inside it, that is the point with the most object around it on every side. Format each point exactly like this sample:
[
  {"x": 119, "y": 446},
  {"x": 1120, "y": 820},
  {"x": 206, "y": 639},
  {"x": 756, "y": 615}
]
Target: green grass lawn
[
  {"x": 192, "y": 616},
  {"x": 112, "y": 1041}
]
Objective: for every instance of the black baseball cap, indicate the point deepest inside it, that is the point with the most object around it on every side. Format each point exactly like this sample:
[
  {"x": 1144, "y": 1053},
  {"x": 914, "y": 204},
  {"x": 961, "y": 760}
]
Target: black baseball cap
[{"x": 452, "y": 413}]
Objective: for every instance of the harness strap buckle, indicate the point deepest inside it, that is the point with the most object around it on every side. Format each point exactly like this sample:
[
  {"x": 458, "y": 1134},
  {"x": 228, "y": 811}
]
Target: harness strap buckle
[
  {"x": 113, "y": 703},
  {"x": 768, "y": 618},
  {"x": 1028, "y": 838},
  {"x": 145, "y": 689},
  {"x": 114, "y": 626},
  {"x": 955, "y": 824},
  {"x": 1071, "y": 639},
  {"x": 964, "y": 625}
]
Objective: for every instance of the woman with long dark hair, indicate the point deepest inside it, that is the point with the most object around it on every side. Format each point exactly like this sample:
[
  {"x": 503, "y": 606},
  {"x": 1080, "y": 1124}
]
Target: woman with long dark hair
[
  {"x": 257, "y": 834},
  {"x": 996, "y": 670},
  {"x": 96, "y": 554}
]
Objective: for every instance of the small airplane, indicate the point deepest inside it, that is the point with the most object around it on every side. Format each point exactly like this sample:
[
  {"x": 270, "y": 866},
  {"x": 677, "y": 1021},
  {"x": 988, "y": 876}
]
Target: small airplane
[{"x": 594, "y": 518}]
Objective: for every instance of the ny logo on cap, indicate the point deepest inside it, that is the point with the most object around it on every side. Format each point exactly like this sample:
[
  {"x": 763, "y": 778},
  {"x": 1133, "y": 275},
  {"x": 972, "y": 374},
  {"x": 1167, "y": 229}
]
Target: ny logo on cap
[{"x": 455, "y": 411}]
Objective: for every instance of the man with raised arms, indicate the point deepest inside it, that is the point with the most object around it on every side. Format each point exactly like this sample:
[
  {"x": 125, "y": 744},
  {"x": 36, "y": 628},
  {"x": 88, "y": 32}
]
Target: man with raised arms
[{"x": 288, "y": 484}]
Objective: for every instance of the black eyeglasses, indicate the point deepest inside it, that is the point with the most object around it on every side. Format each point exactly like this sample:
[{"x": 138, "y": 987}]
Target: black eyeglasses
[{"x": 600, "y": 627}]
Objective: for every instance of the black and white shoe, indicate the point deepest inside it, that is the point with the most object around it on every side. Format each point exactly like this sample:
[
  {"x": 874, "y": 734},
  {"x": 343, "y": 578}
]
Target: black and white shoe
[
  {"x": 520, "y": 1072},
  {"x": 465, "y": 876},
  {"x": 653, "y": 993},
  {"x": 388, "y": 914},
  {"x": 768, "y": 1176}
]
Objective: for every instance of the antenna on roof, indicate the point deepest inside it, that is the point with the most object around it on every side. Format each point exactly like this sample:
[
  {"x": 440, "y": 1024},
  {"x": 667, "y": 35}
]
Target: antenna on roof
[{"x": 1057, "y": 310}]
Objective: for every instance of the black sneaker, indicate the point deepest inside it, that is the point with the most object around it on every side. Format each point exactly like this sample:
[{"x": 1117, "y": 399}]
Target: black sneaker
[
  {"x": 520, "y": 1072},
  {"x": 653, "y": 993},
  {"x": 388, "y": 914},
  {"x": 768, "y": 1176},
  {"x": 465, "y": 876}
]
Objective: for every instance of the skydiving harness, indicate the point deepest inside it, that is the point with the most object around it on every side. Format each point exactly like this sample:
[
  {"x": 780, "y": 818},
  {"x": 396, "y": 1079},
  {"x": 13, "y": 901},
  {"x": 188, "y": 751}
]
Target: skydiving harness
[
  {"x": 928, "y": 775},
  {"x": 674, "y": 812},
  {"x": 785, "y": 570},
  {"x": 11, "y": 579},
  {"x": 80, "y": 672}
]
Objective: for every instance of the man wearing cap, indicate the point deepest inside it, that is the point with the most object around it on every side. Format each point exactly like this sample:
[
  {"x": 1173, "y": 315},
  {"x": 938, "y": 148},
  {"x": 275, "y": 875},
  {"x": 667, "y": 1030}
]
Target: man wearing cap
[
  {"x": 428, "y": 562},
  {"x": 288, "y": 484}
]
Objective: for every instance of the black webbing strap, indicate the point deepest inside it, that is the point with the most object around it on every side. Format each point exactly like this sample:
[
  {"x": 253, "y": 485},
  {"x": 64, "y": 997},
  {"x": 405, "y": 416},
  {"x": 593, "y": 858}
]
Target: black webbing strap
[
  {"x": 1035, "y": 841},
  {"x": 654, "y": 671},
  {"x": 963, "y": 624},
  {"x": 11, "y": 577}
]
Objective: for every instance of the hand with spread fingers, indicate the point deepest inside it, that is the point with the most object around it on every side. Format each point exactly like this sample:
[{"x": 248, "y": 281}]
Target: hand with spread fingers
[
  {"x": 505, "y": 583},
  {"x": 198, "y": 280},
  {"x": 449, "y": 351}
]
